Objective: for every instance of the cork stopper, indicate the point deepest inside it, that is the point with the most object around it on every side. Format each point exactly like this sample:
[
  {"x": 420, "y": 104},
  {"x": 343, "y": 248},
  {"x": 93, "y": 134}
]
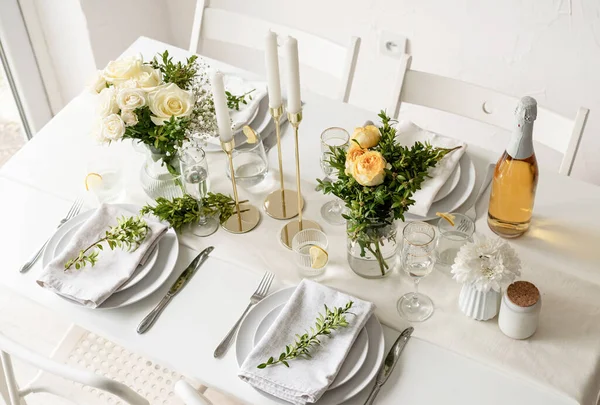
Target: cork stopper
[
  {"x": 523, "y": 293},
  {"x": 526, "y": 109}
]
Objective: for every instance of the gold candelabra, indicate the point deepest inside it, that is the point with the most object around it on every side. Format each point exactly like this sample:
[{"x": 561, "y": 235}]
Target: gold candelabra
[
  {"x": 293, "y": 227},
  {"x": 246, "y": 216},
  {"x": 282, "y": 203}
]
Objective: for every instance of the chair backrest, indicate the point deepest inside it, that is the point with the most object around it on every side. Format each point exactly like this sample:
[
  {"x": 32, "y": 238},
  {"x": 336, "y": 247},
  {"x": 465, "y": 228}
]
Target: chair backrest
[
  {"x": 10, "y": 348},
  {"x": 485, "y": 105},
  {"x": 314, "y": 52}
]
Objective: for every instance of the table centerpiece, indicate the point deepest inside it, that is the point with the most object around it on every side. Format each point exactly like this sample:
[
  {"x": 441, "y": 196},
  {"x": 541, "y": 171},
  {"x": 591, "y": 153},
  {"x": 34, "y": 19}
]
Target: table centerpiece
[{"x": 377, "y": 177}]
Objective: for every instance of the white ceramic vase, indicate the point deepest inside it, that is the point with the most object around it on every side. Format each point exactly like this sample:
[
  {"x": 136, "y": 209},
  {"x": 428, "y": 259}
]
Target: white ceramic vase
[{"x": 479, "y": 305}]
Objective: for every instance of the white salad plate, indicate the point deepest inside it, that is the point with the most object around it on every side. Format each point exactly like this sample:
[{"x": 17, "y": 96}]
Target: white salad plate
[
  {"x": 457, "y": 197},
  {"x": 163, "y": 266},
  {"x": 365, "y": 374},
  {"x": 355, "y": 359},
  {"x": 449, "y": 185}
]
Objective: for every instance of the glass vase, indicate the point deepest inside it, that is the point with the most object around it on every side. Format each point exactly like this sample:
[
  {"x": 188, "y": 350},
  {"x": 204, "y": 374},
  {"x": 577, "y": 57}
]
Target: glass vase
[
  {"x": 160, "y": 175},
  {"x": 372, "y": 251}
]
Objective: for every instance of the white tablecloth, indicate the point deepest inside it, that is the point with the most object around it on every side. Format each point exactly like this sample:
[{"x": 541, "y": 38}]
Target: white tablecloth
[{"x": 559, "y": 251}]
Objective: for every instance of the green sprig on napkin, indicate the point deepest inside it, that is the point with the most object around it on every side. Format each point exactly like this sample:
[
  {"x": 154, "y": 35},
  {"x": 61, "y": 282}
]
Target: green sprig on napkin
[
  {"x": 129, "y": 233},
  {"x": 325, "y": 324}
]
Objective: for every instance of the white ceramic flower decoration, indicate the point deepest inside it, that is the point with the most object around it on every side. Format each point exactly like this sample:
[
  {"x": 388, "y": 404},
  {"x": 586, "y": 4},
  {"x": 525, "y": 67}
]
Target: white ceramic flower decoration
[{"x": 486, "y": 263}]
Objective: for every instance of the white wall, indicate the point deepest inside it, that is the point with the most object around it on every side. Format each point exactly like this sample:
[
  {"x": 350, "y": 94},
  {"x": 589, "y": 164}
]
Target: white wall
[{"x": 549, "y": 49}]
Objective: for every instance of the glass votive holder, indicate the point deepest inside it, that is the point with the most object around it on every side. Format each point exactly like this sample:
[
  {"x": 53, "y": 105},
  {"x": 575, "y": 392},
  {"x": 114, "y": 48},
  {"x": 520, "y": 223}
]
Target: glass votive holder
[
  {"x": 249, "y": 162},
  {"x": 452, "y": 238},
  {"x": 301, "y": 244}
]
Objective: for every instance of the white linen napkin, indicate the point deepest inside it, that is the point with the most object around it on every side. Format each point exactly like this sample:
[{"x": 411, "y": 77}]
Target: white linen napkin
[
  {"x": 91, "y": 286},
  {"x": 238, "y": 86},
  {"x": 408, "y": 134},
  {"x": 307, "y": 379}
]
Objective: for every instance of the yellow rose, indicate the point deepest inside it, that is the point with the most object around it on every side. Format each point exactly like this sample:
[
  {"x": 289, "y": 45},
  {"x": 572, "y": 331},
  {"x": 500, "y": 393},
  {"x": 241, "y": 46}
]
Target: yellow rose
[
  {"x": 367, "y": 137},
  {"x": 369, "y": 168},
  {"x": 167, "y": 101},
  {"x": 353, "y": 153}
]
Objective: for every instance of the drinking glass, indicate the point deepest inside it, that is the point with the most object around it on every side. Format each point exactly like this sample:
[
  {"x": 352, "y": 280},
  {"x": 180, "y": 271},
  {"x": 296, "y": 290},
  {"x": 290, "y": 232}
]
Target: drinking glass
[
  {"x": 249, "y": 163},
  {"x": 194, "y": 178},
  {"x": 452, "y": 238},
  {"x": 332, "y": 210},
  {"x": 301, "y": 245},
  {"x": 418, "y": 243}
]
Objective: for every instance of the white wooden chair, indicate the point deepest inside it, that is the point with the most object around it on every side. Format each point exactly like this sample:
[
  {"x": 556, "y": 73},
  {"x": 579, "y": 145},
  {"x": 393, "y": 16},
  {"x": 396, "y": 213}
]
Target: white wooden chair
[
  {"x": 318, "y": 54},
  {"x": 488, "y": 106},
  {"x": 87, "y": 369}
]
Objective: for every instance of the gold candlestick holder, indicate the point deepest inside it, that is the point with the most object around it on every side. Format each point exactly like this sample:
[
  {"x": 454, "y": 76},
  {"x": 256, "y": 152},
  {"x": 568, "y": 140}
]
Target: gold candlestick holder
[
  {"x": 246, "y": 216},
  {"x": 282, "y": 203},
  {"x": 293, "y": 227}
]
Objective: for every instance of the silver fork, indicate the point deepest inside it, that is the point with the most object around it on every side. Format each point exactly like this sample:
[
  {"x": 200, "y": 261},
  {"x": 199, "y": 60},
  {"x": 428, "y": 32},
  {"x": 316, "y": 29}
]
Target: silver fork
[
  {"x": 259, "y": 294},
  {"x": 74, "y": 210}
]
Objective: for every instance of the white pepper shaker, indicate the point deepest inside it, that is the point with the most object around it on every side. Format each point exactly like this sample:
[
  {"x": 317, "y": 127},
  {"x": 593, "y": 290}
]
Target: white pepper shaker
[{"x": 520, "y": 310}]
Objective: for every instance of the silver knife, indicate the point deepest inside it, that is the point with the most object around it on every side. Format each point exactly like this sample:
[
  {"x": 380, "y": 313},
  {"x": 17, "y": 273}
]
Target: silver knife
[
  {"x": 389, "y": 363},
  {"x": 177, "y": 286}
]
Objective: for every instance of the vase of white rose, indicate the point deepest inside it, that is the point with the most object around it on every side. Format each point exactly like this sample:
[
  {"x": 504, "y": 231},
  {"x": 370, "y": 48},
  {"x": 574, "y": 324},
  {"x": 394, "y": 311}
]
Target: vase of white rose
[{"x": 159, "y": 104}]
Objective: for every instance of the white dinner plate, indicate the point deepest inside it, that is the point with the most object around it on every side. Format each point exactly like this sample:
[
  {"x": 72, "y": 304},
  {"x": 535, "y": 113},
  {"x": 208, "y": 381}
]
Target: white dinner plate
[
  {"x": 354, "y": 360},
  {"x": 449, "y": 185},
  {"x": 138, "y": 274},
  {"x": 261, "y": 121},
  {"x": 457, "y": 197},
  {"x": 335, "y": 396},
  {"x": 163, "y": 267}
]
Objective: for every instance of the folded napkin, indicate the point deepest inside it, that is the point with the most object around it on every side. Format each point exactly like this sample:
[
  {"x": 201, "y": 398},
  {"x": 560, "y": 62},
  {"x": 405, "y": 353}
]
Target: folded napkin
[
  {"x": 91, "y": 286},
  {"x": 409, "y": 133},
  {"x": 306, "y": 380}
]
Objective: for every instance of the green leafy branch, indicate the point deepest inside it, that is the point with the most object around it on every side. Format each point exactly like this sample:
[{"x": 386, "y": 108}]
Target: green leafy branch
[
  {"x": 181, "y": 211},
  {"x": 128, "y": 234},
  {"x": 324, "y": 325},
  {"x": 233, "y": 102},
  {"x": 182, "y": 74}
]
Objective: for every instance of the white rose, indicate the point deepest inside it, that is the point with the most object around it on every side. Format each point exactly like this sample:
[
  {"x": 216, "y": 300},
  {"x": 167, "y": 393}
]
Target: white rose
[
  {"x": 118, "y": 71},
  {"x": 129, "y": 118},
  {"x": 148, "y": 78},
  {"x": 168, "y": 101},
  {"x": 130, "y": 99},
  {"x": 107, "y": 103},
  {"x": 112, "y": 128},
  {"x": 97, "y": 83},
  {"x": 128, "y": 84}
]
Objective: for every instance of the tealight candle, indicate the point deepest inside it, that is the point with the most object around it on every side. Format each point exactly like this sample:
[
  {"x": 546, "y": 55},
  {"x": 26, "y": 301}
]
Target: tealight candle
[
  {"x": 291, "y": 52},
  {"x": 221, "y": 109},
  {"x": 272, "y": 65},
  {"x": 520, "y": 310}
]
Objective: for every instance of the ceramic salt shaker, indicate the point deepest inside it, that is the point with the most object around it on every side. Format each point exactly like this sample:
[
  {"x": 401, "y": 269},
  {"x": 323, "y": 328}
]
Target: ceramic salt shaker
[{"x": 520, "y": 310}]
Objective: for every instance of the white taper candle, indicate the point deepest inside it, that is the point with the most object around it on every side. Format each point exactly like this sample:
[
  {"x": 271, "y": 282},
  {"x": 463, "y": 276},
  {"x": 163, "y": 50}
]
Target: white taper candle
[
  {"x": 221, "y": 109},
  {"x": 291, "y": 53},
  {"x": 272, "y": 65}
]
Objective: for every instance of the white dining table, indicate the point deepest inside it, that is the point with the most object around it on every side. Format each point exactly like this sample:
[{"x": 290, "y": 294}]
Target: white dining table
[{"x": 38, "y": 185}]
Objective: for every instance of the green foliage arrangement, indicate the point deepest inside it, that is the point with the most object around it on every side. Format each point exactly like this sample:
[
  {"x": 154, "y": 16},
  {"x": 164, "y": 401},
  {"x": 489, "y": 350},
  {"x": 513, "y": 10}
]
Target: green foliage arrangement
[{"x": 233, "y": 101}]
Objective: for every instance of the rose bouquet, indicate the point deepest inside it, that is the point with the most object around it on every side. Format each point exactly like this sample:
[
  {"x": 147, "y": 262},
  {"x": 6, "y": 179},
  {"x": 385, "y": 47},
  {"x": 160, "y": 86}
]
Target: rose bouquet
[
  {"x": 377, "y": 177},
  {"x": 158, "y": 103}
]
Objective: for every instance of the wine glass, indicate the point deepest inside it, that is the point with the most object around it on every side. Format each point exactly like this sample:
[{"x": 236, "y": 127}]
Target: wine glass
[
  {"x": 194, "y": 178},
  {"x": 418, "y": 259},
  {"x": 332, "y": 210}
]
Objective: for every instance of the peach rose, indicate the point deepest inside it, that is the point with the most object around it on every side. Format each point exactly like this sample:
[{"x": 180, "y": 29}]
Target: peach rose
[
  {"x": 353, "y": 153},
  {"x": 369, "y": 168},
  {"x": 367, "y": 137}
]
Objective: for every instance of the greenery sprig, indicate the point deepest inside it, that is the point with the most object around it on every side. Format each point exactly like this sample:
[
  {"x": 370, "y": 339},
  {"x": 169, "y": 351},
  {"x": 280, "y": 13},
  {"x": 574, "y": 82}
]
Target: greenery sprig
[
  {"x": 324, "y": 325},
  {"x": 182, "y": 74},
  {"x": 372, "y": 209},
  {"x": 185, "y": 210},
  {"x": 128, "y": 234},
  {"x": 233, "y": 101}
]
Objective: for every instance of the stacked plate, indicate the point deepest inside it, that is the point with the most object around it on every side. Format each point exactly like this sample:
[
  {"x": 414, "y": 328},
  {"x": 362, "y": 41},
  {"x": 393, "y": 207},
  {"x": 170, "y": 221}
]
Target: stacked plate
[
  {"x": 144, "y": 281},
  {"x": 357, "y": 371},
  {"x": 454, "y": 193}
]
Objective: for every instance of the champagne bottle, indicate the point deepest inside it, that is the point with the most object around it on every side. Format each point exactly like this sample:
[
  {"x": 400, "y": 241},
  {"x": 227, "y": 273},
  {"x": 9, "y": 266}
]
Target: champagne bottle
[{"x": 515, "y": 177}]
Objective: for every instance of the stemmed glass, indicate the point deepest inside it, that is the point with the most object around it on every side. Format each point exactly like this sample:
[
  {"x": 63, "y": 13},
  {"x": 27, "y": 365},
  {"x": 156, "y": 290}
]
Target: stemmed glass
[
  {"x": 418, "y": 244},
  {"x": 332, "y": 210},
  {"x": 194, "y": 177}
]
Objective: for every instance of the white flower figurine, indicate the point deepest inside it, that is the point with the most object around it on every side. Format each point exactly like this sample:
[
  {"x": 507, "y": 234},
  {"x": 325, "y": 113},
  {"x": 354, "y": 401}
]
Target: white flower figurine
[{"x": 486, "y": 263}]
